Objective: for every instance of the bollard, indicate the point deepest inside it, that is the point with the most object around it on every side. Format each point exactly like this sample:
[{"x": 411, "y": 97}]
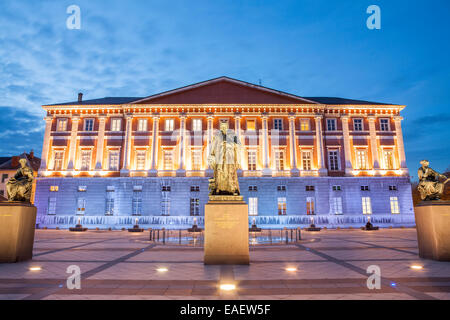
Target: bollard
[
  {"x": 286, "y": 234},
  {"x": 292, "y": 235},
  {"x": 150, "y": 234},
  {"x": 164, "y": 235},
  {"x": 299, "y": 233},
  {"x": 179, "y": 236},
  {"x": 270, "y": 235},
  {"x": 158, "y": 235}
]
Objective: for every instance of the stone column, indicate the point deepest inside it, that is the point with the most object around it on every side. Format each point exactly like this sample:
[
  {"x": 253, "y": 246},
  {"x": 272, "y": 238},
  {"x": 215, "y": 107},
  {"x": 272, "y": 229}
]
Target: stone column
[
  {"x": 319, "y": 146},
  {"x": 293, "y": 146},
  {"x": 266, "y": 171},
  {"x": 73, "y": 142},
  {"x": 209, "y": 172},
  {"x": 237, "y": 127},
  {"x": 347, "y": 150},
  {"x": 125, "y": 171},
  {"x": 100, "y": 142},
  {"x": 373, "y": 143},
  {"x": 181, "y": 172},
  {"x": 45, "y": 146},
  {"x": 400, "y": 145},
  {"x": 155, "y": 134}
]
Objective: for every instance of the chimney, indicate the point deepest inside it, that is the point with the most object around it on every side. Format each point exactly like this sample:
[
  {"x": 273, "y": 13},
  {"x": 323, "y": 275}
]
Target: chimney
[
  {"x": 31, "y": 154},
  {"x": 80, "y": 97}
]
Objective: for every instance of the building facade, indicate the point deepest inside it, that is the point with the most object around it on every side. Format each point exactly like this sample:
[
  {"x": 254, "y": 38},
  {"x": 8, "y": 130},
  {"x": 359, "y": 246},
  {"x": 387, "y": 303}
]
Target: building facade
[{"x": 110, "y": 161}]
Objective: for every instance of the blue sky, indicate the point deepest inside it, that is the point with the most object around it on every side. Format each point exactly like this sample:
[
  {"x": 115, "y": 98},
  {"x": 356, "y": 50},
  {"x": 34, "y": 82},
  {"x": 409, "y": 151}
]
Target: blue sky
[{"x": 309, "y": 48}]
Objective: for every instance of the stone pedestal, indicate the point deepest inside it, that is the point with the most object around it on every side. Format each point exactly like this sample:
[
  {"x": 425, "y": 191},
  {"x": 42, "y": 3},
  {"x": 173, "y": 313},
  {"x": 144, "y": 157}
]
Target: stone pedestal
[
  {"x": 226, "y": 231},
  {"x": 433, "y": 229},
  {"x": 17, "y": 224}
]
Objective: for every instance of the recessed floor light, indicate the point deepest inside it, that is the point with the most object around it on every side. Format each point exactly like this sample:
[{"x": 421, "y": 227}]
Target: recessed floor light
[
  {"x": 162, "y": 269},
  {"x": 35, "y": 269},
  {"x": 291, "y": 269},
  {"x": 227, "y": 287},
  {"x": 416, "y": 267}
]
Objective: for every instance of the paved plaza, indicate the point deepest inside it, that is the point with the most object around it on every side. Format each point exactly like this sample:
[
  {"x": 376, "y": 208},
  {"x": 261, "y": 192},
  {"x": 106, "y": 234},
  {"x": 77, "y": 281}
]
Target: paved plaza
[{"x": 330, "y": 264}]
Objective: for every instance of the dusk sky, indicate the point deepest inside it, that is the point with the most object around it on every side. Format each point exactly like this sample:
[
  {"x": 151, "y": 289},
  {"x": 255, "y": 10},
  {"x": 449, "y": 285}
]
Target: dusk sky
[{"x": 307, "y": 48}]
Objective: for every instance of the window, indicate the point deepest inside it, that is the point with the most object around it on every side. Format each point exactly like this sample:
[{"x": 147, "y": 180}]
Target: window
[
  {"x": 333, "y": 158},
  {"x": 137, "y": 203},
  {"x": 337, "y": 188},
  {"x": 252, "y": 188},
  {"x": 196, "y": 155},
  {"x": 169, "y": 125},
  {"x": 278, "y": 124},
  {"x": 304, "y": 125},
  {"x": 165, "y": 203},
  {"x": 395, "y": 209},
  {"x": 109, "y": 210},
  {"x": 81, "y": 206},
  {"x": 384, "y": 125},
  {"x": 309, "y": 188},
  {"x": 58, "y": 158},
  {"x": 282, "y": 206},
  {"x": 140, "y": 159},
  {"x": 166, "y": 189},
  {"x": 82, "y": 188},
  {"x": 4, "y": 177},
  {"x": 251, "y": 125},
  {"x": 142, "y": 125},
  {"x": 361, "y": 159},
  {"x": 310, "y": 205},
  {"x": 365, "y": 188},
  {"x": 54, "y": 188},
  {"x": 51, "y": 208},
  {"x": 306, "y": 160},
  {"x": 253, "y": 206},
  {"x": 195, "y": 206},
  {"x": 168, "y": 160},
  {"x": 252, "y": 160},
  {"x": 281, "y": 188},
  {"x": 195, "y": 188},
  {"x": 116, "y": 124},
  {"x": 196, "y": 125},
  {"x": 88, "y": 124},
  {"x": 113, "y": 162},
  {"x": 392, "y": 188},
  {"x": 279, "y": 160},
  {"x": 357, "y": 124},
  {"x": 62, "y": 125},
  {"x": 85, "y": 160},
  {"x": 336, "y": 205},
  {"x": 331, "y": 125},
  {"x": 366, "y": 206},
  {"x": 388, "y": 159}
]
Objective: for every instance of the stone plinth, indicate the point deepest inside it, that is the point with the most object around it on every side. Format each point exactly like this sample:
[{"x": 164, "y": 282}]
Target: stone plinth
[
  {"x": 226, "y": 231},
  {"x": 433, "y": 229},
  {"x": 17, "y": 224}
]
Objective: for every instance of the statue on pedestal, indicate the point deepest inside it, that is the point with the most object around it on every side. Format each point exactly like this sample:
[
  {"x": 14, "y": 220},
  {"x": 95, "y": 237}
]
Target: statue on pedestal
[
  {"x": 430, "y": 187},
  {"x": 19, "y": 187},
  {"x": 224, "y": 159}
]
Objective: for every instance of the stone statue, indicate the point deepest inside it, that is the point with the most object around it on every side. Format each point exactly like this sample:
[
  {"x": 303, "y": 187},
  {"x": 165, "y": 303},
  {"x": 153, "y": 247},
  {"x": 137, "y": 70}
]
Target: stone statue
[
  {"x": 224, "y": 159},
  {"x": 430, "y": 188},
  {"x": 19, "y": 187}
]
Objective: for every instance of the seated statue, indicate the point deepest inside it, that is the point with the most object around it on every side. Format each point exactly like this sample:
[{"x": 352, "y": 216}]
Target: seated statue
[
  {"x": 430, "y": 188},
  {"x": 19, "y": 188}
]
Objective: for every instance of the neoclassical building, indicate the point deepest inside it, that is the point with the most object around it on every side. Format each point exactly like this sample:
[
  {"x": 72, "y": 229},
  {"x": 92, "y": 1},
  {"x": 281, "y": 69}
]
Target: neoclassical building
[{"x": 110, "y": 161}]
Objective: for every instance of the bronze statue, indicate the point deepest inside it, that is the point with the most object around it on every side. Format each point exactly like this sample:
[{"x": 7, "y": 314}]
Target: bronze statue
[
  {"x": 430, "y": 188},
  {"x": 19, "y": 187},
  {"x": 224, "y": 159}
]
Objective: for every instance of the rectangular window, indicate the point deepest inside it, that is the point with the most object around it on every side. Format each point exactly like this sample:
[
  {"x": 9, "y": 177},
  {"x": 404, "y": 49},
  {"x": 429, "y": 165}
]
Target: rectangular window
[
  {"x": 282, "y": 206},
  {"x": 333, "y": 158},
  {"x": 337, "y": 188},
  {"x": 137, "y": 203},
  {"x": 195, "y": 188},
  {"x": 278, "y": 124},
  {"x": 252, "y": 160},
  {"x": 366, "y": 205},
  {"x": 331, "y": 125},
  {"x": 166, "y": 189},
  {"x": 116, "y": 124},
  {"x": 365, "y": 188},
  {"x": 281, "y": 188},
  {"x": 58, "y": 158},
  {"x": 309, "y": 188},
  {"x": 336, "y": 205},
  {"x": 279, "y": 160},
  {"x": 4, "y": 177},
  {"x": 88, "y": 124},
  {"x": 358, "y": 124},
  {"x": 169, "y": 125},
  {"x": 51, "y": 208},
  {"x": 142, "y": 125},
  {"x": 304, "y": 125},
  {"x": 361, "y": 159},
  {"x": 392, "y": 188},
  {"x": 113, "y": 161},
  {"x": 85, "y": 160},
  {"x": 388, "y": 159},
  {"x": 384, "y": 125},
  {"x": 253, "y": 206},
  {"x": 81, "y": 206},
  {"x": 196, "y": 160},
  {"x": 165, "y": 204},
  {"x": 140, "y": 159},
  {"x": 195, "y": 206},
  {"x": 395, "y": 209},
  {"x": 197, "y": 125},
  {"x": 310, "y": 206},
  {"x": 252, "y": 188},
  {"x": 82, "y": 188},
  {"x": 306, "y": 160},
  {"x": 168, "y": 160},
  {"x": 62, "y": 125},
  {"x": 109, "y": 210},
  {"x": 251, "y": 125},
  {"x": 54, "y": 188}
]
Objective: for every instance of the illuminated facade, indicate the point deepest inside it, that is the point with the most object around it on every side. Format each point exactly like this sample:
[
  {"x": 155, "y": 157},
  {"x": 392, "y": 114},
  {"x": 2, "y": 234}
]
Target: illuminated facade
[{"x": 112, "y": 160}]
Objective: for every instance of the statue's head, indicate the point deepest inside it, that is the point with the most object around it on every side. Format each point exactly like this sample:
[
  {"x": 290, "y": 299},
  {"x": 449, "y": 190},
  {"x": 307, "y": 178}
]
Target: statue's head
[
  {"x": 425, "y": 163},
  {"x": 23, "y": 162},
  {"x": 224, "y": 127}
]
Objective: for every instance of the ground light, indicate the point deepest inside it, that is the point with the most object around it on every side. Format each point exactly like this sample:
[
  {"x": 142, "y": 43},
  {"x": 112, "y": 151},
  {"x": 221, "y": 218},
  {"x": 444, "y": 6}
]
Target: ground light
[
  {"x": 291, "y": 269},
  {"x": 35, "y": 269},
  {"x": 163, "y": 269},
  {"x": 227, "y": 287},
  {"x": 416, "y": 267}
]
